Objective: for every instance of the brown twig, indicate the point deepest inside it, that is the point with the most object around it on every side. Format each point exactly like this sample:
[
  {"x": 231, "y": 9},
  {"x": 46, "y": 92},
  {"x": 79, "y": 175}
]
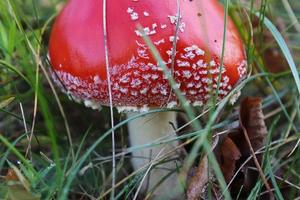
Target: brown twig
[{"x": 262, "y": 175}]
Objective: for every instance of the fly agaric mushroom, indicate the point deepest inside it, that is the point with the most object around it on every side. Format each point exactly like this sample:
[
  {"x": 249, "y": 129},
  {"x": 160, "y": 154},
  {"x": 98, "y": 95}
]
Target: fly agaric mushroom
[{"x": 77, "y": 53}]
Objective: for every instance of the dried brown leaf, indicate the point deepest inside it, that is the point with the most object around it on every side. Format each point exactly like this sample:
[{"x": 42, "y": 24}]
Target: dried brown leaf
[
  {"x": 11, "y": 175},
  {"x": 18, "y": 187},
  {"x": 252, "y": 119},
  {"x": 255, "y": 131},
  {"x": 198, "y": 180},
  {"x": 229, "y": 154},
  {"x": 250, "y": 137},
  {"x": 274, "y": 60}
]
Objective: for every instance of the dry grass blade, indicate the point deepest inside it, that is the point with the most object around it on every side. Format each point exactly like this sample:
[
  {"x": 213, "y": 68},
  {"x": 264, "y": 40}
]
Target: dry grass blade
[{"x": 6, "y": 102}]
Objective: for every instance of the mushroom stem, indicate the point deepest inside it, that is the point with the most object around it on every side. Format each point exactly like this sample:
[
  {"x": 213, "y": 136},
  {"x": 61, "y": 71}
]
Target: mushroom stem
[{"x": 153, "y": 128}]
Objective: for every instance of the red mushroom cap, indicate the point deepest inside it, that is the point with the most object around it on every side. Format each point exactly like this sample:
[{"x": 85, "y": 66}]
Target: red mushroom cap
[{"x": 77, "y": 51}]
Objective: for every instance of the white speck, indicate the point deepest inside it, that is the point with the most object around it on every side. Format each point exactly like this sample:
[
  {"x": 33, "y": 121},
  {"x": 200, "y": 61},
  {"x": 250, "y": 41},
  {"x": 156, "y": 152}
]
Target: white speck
[
  {"x": 92, "y": 104},
  {"x": 203, "y": 72},
  {"x": 200, "y": 52},
  {"x": 169, "y": 52},
  {"x": 172, "y": 104},
  {"x": 135, "y": 82},
  {"x": 154, "y": 90},
  {"x": 192, "y": 92},
  {"x": 146, "y": 14},
  {"x": 200, "y": 63},
  {"x": 154, "y": 76},
  {"x": 197, "y": 78},
  {"x": 198, "y": 85},
  {"x": 97, "y": 80},
  {"x": 129, "y": 10},
  {"x": 242, "y": 69},
  {"x": 187, "y": 74},
  {"x": 146, "y": 31},
  {"x": 124, "y": 79},
  {"x": 198, "y": 103},
  {"x": 182, "y": 27},
  {"x": 127, "y": 109},
  {"x": 144, "y": 90},
  {"x": 164, "y": 91},
  {"x": 177, "y": 85},
  {"x": 134, "y": 16},
  {"x": 173, "y": 19},
  {"x": 172, "y": 38},
  {"x": 189, "y": 85},
  {"x": 116, "y": 86},
  {"x": 226, "y": 79},
  {"x": 234, "y": 97},
  {"x": 223, "y": 92},
  {"x": 163, "y": 26},
  {"x": 146, "y": 76},
  {"x": 183, "y": 63},
  {"x": 167, "y": 75},
  {"x": 207, "y": 80},
  {"x": 124, "y": 90},
  {"x": 140, "y": 44},
  {"x": 145, "y": 108},
  {"x": 189, "y": 55},
  {"x": 153, "y": 67},
  {"x": 195, "y": 48},
  {"x": 134, "y": 93},
  {"x": 187, "y": 102},
  {"x": 214, "y": 71},
  {"x": 142, "y": 52},
  {"x": 212, "y": 63},
  {"x": 138, "y": 33},
  {"x": 159, "y": 42}
]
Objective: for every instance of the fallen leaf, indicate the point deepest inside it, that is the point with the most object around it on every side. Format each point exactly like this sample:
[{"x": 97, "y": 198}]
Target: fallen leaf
[
  {"x": 265, "y": 42},
  {"x": 232, "y": 152},
  {"x": 20, "y": 178},
  {"x": 18, "y": 186},
  {"x": 11, "y": 175},
  {"x": 229, "y": 154},
  {"x": 252, "y": 119},
  {"x": 198, "y": 181},
  {"x": 272, "y": 55},
  {"x": 253, "y": 126},
  {"x": 255, "y": 131}
]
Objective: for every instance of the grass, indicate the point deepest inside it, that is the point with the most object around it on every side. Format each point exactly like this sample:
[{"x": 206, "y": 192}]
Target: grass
[{"x": 63, "y": 155}]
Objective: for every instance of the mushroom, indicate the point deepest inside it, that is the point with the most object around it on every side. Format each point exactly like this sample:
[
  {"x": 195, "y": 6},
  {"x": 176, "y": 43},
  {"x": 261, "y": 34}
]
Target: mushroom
[{"x": 77, "y": 53}]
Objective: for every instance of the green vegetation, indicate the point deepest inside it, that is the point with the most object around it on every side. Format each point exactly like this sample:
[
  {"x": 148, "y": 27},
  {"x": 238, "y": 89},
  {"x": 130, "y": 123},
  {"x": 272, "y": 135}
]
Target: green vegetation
[{"x": 61, "y": 150}]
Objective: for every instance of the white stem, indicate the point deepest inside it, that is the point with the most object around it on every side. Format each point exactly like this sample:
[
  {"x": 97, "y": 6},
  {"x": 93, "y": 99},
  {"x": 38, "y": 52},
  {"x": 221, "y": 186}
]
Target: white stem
[{"x": 151, "y": 129}]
